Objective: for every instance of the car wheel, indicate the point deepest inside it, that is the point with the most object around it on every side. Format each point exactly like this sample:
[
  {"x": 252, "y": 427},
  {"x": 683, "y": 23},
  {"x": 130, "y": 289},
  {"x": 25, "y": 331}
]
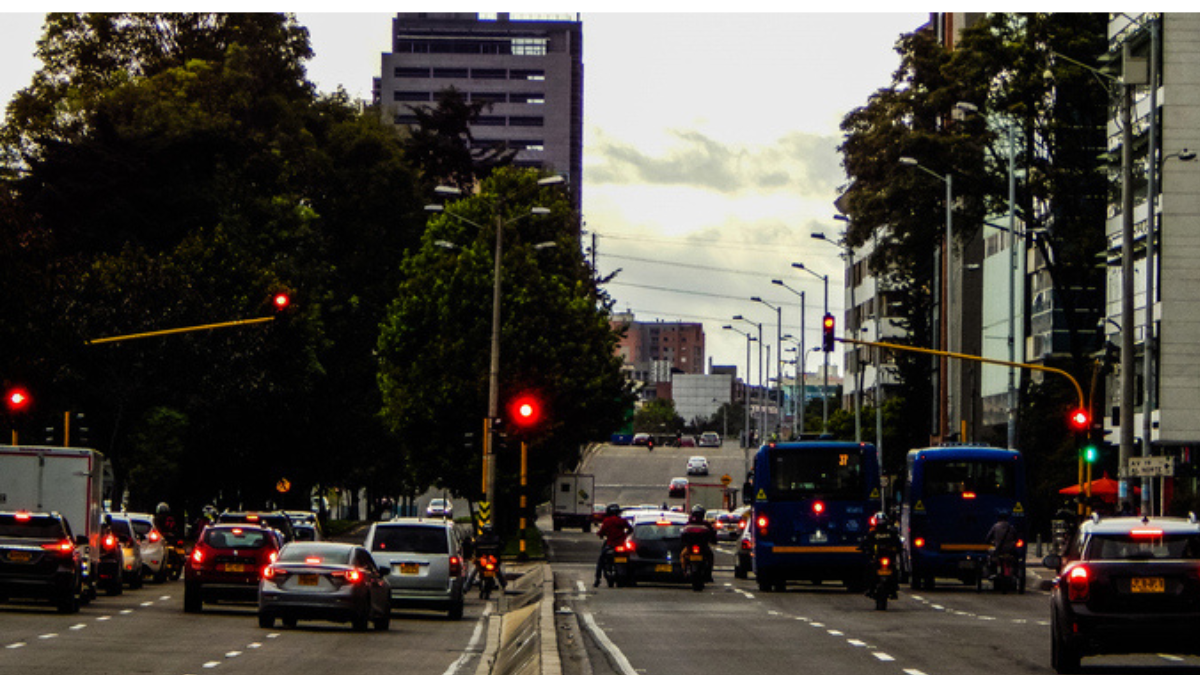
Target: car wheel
[
  {"x": 740, "y": 571},
  {"x": 360, "y": 622},
  {"x": 765, "y": 585},
  {"x": 289, "y": 621},
  {"x": 456, "y": 610},
  {"x": 265, "y": 620},
  {"x": 160, "y": 577},
  {"x": 135, "y": 581},
  {"x": 1063, "y": 657},
  {"x": 191, "y": 598},
  {"x": 68, "y": 602}
]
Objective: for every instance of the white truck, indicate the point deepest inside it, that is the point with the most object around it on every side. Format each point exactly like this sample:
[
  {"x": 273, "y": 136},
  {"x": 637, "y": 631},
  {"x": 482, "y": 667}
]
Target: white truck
[
  {"x": 572, "y": 499},
  {"x": 69, "y": 481}
]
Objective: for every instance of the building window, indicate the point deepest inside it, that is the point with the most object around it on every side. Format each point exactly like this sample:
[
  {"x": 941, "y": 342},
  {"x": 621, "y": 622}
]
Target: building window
[
  {"x": 531, "y": 98},
  {"x": 450, "y": 73},
  {"x": 490, "y": 121},
  {"x": 490, "y": 96},
  {"x": 531, "y": 75},
  {"x": 411, "y": 96},
  {"x": 489, "y": 74},
  {"x": 411, "y": 72},
  {"x": 529, "y": 46},
  {"x": 531, "y": 145},
  {"x": 517, "y": 121}
]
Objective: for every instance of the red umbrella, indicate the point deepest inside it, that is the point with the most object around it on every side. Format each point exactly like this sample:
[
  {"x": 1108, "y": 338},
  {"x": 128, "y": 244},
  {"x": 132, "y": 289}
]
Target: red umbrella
[{"x": 1101, "y": 487}]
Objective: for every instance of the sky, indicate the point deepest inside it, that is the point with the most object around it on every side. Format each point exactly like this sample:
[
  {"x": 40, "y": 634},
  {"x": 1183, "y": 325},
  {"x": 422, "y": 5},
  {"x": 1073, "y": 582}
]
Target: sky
[{"x": 710, "y": 150}]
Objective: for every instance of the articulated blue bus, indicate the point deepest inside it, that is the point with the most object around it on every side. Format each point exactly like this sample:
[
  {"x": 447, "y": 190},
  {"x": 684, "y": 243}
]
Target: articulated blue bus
[
  {"x": 813, "y": 501},
  {"x": 953, "y": 497}
]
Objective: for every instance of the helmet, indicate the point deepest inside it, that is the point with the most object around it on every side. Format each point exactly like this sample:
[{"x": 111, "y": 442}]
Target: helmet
[
  {"x": 613, "y": 509},
  {"x": 162, "y": 509},
  {"x": 210, "y": 511},
  {"x": 879, "y": 520},
  {"x": 698, "y": 513}
]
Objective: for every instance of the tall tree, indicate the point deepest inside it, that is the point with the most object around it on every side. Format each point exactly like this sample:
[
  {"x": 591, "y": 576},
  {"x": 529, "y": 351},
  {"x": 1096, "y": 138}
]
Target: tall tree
[{"x": 443, "y": 148}]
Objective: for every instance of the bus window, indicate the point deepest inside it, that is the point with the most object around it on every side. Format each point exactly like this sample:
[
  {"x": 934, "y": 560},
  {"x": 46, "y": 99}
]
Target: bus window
[
  {"x": 833, "y": 473},
  {"x": 981, "y": 477}
]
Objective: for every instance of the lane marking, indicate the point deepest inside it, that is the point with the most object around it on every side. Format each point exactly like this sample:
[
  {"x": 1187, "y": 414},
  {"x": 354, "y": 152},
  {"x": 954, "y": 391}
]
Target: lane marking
[
  {"x": 856, "y": 643},
  {"x": 126, "y": 611},
  {"x": 882, "y": 656},
  {"x": 232, "y": 655},
  {"x": 1170, "y": 657},
  {"x": 148, "y": 603},
  {"x": 79, "y": 626},
  {"x": 913, "y": 671},
  {"x": 212, "y": 664},
  {"x": 473, "y": 648},
  {"x": 614, "y": 653},
  {"x": 254, "y": 645},
  {"x": 103, "y": 618},
  {"x": 47, "y": 636},
  {"x": 835, "y": 632},
  {"x": 15, "y": 645}
]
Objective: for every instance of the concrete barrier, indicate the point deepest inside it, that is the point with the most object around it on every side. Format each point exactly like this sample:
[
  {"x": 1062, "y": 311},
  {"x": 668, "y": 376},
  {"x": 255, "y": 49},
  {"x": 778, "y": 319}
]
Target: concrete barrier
[{"x": 521, "y": 636}]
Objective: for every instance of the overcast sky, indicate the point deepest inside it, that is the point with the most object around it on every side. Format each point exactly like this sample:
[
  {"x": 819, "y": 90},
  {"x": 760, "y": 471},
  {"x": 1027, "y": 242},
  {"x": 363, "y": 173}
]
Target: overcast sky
[{"x": 709, "y": 148}]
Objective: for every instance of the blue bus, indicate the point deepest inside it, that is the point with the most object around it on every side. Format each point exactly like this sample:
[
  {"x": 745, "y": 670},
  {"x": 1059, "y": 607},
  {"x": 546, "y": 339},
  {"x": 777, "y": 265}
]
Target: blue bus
[
  {"x": 953, "y": 497},
  {"x": 812, "y": 501}
]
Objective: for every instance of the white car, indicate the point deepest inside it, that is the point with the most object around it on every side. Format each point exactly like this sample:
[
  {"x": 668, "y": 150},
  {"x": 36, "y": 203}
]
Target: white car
[
  {"x": 154, "y": 549},
  {"x": 440, "y": 508},
  {"x": 697, "y": 466},
  {"x": 710, "y": 439}
]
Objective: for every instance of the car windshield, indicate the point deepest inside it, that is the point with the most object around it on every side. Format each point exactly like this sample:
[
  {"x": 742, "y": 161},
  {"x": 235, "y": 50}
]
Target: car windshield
[
  {"x": 236, "y": 537},
  {"x": 36, "y": 527},
  {"x": 1144, "y": 547},
  {"x": 120, "y": 527},
  {"x": 142, "y": 527},
  {"x": 410, "y": 539},
  {"x": 656, "y": 532},
  {"x": 318, "y": 553}
]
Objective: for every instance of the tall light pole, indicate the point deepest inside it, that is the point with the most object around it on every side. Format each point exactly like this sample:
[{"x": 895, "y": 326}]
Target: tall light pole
[
  {"x": 746, "y": 391},
  {"x": 803, "y": 365},
  {"x": 493, "y": 412},
  {"x": 825, "y": 386},
  {"x": 947, "y": 331},
  {"x": 762, "y": 427},
  {"x": 852, "y": 357},
  {"x": 778, "y": 357}
]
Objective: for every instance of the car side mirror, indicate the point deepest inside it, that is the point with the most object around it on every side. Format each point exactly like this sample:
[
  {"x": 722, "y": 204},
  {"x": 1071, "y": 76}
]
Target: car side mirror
[{"x": 1052, "y": 561}]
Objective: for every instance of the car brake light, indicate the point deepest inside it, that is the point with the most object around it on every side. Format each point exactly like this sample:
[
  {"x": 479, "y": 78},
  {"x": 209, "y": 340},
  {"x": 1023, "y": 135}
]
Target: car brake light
[
  {"x": 1020, "y": 543},
  {"x": 1077, "y": 584},
  {"x": 23, "y": 516},
  {"x": 885, "y": 562},
  {"x": 252, "y": 518},
  {"x": 312, "y": 560},
  {"x": 456, "y": 566},
  {"x": 110, "y": 541},
  {"x": 761, "y": 522},
  {"x": 968, "y": 495},
  {"x": 197, "y": 555},
  {"x": 1141, "y": 532},
  {"x": 488, "y": 562},
  {"x": 271, "y": 572},
  {"x": 353, "y": 576},
  {"x": 919, "y": 542},
  {"x": 746, "y": 545},
  {"x": 695, "y": 550},
  {"x": 64, "y": 546},
  {"x": 272, "y": 556},
  {"x": 154, "y": 537},
  {"x": 818, "y": 508},
  {"x": 238, "y": 531}
]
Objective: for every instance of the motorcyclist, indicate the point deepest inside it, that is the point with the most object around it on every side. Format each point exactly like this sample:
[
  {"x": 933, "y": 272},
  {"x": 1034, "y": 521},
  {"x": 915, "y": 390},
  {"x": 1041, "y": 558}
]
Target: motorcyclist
[
  {"x": 700, "y": 532},
  {"x": 613, "y": 530},
  {"x": 208, "y": 516},
  {"x": 881, "y": 541},
  {"x": 488, "y": 543},
  {"x": 1001, "y": 539},
  {"x": 164, "y": 521}
]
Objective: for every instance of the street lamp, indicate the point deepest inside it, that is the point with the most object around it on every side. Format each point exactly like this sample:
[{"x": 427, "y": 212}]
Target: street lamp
[
  {"x": 947, "y": 342},
  {"x": 762, "y": 427},
  {"x": 778, "y": 357},
  {"x": 802, "y": 374},
  {"x": 825, "y": 386},
  {"x": 489, "y": 460},
  {"x": 746, "y": 392}
]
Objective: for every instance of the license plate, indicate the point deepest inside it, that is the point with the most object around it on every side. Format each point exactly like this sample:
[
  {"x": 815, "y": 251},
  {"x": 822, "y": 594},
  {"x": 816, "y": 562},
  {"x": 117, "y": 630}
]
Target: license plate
[
  {"x": 234, "y": 567},
  {"x": 620, "y": 560},
  {"x": 409, "y": 568},
  {"x": 1147, "y": 585},
  {"x": 662, "y": 568},
  {"x": 20, "y": 556},
  {"x": 885, "y": 573},
  {"x": 308, "y": 580}
]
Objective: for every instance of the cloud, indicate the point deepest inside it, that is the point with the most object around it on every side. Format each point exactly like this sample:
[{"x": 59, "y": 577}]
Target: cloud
[{"x": 805, "y": 163}]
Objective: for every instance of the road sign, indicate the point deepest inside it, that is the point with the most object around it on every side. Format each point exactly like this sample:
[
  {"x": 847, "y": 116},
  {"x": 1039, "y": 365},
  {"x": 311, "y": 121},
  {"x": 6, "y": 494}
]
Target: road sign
[
  {"x": 726, "y": 480},
  {"x": 1151, "y": 466}
]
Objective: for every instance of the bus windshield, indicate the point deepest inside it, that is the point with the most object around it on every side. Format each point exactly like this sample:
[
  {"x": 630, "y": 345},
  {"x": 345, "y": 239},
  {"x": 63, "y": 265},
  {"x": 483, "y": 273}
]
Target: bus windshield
[
  {"x": 981, "y": 477},
  {"x": 833, "y": 473}
]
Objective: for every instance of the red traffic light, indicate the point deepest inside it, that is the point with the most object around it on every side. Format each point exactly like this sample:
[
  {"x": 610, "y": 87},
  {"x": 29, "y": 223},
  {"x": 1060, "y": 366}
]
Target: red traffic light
[
  {"x": 1080, "y": 419},
  {"x": 281, "y": 301},
  {"x": 17, "y": 399},
  {"x": 526, "y": 411},
  {"x": 827, "y": 339}
]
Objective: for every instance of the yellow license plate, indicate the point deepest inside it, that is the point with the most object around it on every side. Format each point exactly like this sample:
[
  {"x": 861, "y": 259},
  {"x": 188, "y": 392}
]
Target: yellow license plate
[
  {"x": 232, "y": 567},
  {"x": 1147, "y": 585},
  {"x": 308, "y": 580},
  {"x": 662, "y": 568},
  {"x": 409, "y": 568},
  {"x": 885, "y": 573},
  {"x": 620, "y": 560},
  {"x": 20, "y": 556}
]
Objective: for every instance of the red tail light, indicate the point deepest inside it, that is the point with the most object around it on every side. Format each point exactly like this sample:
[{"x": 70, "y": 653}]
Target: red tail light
[
  {"x": 23, "y": 516},
  {"x": 154, "y": 537},
  {"x": 968, "y": 495},
  {"x": 627, "y": 547},
  {"x": 354, "y": 576},
  {"x": 919, "y": 542},
  {"x": 818, "y": 508},
  {"x": 110, "y": 541},
  {"x": 456, "y": 566},
  {"x": 197, "y": 555},
  {"x": 271, "y": 572},
  {"x": 488, "y": 562},
  {"x": 1020, "y": 543},
  {"x": 746, "y": 545},
  {"x": 1142, "y": 532},
  {"x": 761, "y": 523},
  {"x": 1077, "y": 584},
  {"x": 312, "y": 560},
  {"x": 64, "y": 546},
  {"x": 885, "y": 562},
  {"x": 695, "y": 550}
]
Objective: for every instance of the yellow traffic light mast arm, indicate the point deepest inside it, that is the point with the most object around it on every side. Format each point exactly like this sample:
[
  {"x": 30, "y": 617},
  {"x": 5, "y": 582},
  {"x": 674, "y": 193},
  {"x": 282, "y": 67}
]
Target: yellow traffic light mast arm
[{"x": 185, "y": 329}]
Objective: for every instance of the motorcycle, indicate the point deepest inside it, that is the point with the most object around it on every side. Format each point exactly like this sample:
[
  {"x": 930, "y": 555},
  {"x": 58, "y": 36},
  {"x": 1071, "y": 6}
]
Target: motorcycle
[
  {"x": 695, "y": 565},
  {"x": 609, "y": 565},
  {"x": 176, "y": 555},
  {"x": 883, "y": 583},
  {"x": 1002, "y": 569},
  {"x": 488, "y": 566}
]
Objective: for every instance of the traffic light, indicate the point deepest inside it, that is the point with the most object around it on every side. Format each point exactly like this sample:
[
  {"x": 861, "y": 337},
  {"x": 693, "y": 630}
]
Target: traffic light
[
  {"x": 1080, "y": 420},
  {"x": 16, "y": 400},
  {"x": 525, "y": 411},
  {"x": 281, "y": 301},
  {"x": 1090, "y": 453},
  {"x": 827, "y": 326}
]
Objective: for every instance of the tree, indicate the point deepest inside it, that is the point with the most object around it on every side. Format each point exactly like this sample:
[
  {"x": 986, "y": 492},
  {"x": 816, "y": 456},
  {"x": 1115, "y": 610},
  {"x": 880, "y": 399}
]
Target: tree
[
  {"x": 443, "y": 147},
  {"x": 657, "y": 416}
]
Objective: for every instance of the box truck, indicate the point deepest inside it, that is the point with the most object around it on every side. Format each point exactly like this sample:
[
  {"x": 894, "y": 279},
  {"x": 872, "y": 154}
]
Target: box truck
[{"x": 572, "y": 499}]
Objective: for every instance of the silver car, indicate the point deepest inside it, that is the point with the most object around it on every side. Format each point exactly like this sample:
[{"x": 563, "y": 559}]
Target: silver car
[
  {"x": 324, "y": 581},
  {"x": 426, "y": 564}
]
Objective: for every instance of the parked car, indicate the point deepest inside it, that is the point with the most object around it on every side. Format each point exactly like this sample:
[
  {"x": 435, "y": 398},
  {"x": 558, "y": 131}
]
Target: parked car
[
  {"x": 40, "y": 559},
  {"x": 641, "y": 439},
  {"x": 697, "y": 466},
  {"x": 440, "y": 508},
  {"x": 710, "y": 439},
  {"x": 227, "y": 563},
  {"x": 154, "y": 547},
  {"x": 678, "y": 488},
  {"x": 277, "y": 520},
  {"x": 651, "y": 552},
  {"x": 324, "y": 581},
  {"x": 425, "y": 561},
  {"x": 131, "y": 549},
  {"x": 1131, "y": 588}
]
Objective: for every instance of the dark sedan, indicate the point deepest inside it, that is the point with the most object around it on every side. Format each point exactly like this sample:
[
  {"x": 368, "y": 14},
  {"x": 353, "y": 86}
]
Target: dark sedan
[
  {"x": 651, "y": 553},
  {"x": 1132, "y": 586},
  {"x": 324, "y": 581}
]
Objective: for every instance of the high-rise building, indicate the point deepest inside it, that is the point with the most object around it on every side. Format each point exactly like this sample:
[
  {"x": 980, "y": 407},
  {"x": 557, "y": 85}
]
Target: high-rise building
[{"x": 529, "y": 68}]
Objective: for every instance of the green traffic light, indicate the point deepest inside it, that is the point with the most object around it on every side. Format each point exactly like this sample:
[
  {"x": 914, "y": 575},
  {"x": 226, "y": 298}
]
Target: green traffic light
[{"x": 1090, "y": 454}]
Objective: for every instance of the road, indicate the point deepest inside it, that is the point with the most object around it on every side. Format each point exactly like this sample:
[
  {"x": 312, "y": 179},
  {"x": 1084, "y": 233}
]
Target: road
[{"x": 729, "y": 628}]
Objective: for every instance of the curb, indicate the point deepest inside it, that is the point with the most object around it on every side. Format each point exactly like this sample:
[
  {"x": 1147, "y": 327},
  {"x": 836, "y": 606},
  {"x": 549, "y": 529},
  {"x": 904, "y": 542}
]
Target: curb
[{"x": 524, "y": 640}]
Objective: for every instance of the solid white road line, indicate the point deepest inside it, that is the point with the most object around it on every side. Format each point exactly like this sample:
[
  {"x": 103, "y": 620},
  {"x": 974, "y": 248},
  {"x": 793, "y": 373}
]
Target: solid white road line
[
  {"x": 473, "y": 648},
  {"x": 614, "y": 653}
]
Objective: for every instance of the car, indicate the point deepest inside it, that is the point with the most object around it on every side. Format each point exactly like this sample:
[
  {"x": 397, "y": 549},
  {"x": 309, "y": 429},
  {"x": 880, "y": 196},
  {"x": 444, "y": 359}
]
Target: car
[
  {"x": 227, "y": 562},
  {"x": 425, "y": 561},
  {"x": 154, "y": 547},
  {"x": 41, "y": 559},
  {"x": 697, "y": 466},
  {"x": 307, "y": 532},
  {"x": 678, "y": 488},
  {"x": 277, "y": 520},
  {"x": 744, "y": 558},
  {"x": 709, "y": 439},
  {"x": 112, "y": 561},
  {"x": 324, "y": 581},
  {"x": 131, "y": 549},
  {"x": 728, "y": 525},
  {"x": 651, "y": 552},
  {"x": 686, "y": 442},
  {"x": 440, "y": 508},
  {"x": 1129, "y": 587},
  {"x": 641, "y": 439}
]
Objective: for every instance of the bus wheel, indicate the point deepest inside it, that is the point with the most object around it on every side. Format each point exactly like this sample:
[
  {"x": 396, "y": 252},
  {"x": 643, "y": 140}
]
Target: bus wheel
[{"x": 765, "y": 584}]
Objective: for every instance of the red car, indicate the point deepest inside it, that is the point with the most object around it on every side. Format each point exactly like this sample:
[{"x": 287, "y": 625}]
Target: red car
[{"x": 227, "y": 564}]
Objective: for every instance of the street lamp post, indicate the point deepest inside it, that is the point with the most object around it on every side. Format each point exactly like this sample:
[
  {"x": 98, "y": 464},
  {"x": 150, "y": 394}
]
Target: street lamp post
[
  {"x": 761, "y": 420},
  {"x": 803, "y": 364},
  {"x": 853, "y": 355},
  {"x": 825, "y": 386},
  {"x": 493, "y": 412},
  {"x": 778, "y": 357},
  {"x": 947, "y": 332},
  {"x": 746, "y": 393}
]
